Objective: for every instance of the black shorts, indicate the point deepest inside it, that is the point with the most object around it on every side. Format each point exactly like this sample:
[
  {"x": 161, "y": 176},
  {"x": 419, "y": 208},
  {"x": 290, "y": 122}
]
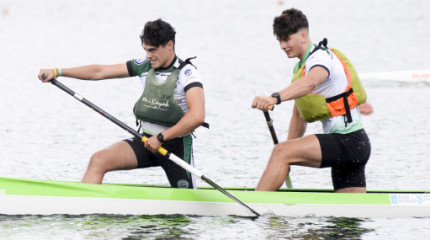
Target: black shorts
[
  {"x": 181, "y": 147},
  {"x": 347, "y": 155}
]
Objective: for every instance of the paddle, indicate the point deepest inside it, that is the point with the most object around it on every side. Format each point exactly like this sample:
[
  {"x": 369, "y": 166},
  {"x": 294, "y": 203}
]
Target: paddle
[
  {"x": 161, "y": 150},
  {"x": 275, "y": 139}
]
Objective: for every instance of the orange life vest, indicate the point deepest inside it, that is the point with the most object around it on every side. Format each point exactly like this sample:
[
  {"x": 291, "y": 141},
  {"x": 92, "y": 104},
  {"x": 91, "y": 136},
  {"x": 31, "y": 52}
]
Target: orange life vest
[{"x": 313, "y": 107}]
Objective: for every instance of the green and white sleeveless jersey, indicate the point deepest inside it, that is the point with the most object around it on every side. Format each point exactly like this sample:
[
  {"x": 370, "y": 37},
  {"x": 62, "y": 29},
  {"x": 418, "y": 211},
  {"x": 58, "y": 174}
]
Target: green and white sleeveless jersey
[{"x": 188, "y": 77}]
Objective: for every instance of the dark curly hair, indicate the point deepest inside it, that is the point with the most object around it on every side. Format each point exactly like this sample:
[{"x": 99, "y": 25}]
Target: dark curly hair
[
  {"x": 157, "y": 33},
  {"x": 289, "y": 22}
]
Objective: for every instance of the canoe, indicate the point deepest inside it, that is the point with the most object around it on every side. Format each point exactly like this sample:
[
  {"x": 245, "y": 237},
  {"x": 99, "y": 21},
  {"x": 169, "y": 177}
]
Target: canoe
[{"x": 47, "y": 197}]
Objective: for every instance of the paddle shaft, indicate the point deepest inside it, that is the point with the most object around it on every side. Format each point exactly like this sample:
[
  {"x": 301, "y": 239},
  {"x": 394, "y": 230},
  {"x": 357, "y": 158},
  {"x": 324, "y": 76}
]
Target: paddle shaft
[
  {"x": 161, "y": 150},
  {"x": 271, "y": 128},
  {"x": 275, "y": 141}
]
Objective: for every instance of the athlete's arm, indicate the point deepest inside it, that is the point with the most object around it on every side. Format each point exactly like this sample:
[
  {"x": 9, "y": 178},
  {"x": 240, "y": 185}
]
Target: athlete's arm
[
  {"x": 191, "y": 120},
  {"x": 299, "y": 88},
  {"x": 297, "y": 125},
  {"x": 89, "y": 72},
  {"x": 305, "y": 85}
]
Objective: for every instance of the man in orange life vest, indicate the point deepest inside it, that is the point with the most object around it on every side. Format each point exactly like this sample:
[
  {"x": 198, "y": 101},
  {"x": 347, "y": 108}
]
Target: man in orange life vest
[{"x": 325, "y": 87}]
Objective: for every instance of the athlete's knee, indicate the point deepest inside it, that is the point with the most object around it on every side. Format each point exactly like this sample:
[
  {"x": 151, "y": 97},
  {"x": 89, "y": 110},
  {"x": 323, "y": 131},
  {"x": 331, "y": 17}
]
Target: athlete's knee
[
  {"x": 281, "y": 152},
  {"x": 278, "y": 150},
  {"x": 97, "y": 162}
]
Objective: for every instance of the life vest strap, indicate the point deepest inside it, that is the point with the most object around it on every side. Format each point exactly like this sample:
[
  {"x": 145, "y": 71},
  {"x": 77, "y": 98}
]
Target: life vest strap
[
  {"x": 321, "y": 45},
  {"x": 187, "y": 61},
  {"x": 345, "y": 96}
]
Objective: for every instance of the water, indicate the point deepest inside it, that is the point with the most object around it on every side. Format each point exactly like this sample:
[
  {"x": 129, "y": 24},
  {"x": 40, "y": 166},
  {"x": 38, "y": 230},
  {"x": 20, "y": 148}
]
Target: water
[{"x": 49, "y": 135}]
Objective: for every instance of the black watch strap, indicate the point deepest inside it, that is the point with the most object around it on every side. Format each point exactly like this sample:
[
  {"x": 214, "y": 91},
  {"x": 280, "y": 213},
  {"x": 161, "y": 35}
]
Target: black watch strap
[
  {"x": 277, "y": 96},
  {"x": 160, "y": 137}
]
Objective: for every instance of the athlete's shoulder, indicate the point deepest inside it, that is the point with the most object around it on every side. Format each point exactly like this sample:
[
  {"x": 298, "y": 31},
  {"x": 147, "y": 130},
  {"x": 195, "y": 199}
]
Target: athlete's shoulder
[
  {"x": 140, "y": 61},
  {"x": 140, "y": 65},
  {"x": 189, "y": 72},
  {"x": 320, "y": 54},
  {"x": 321, "y": 57},
  {"x": 189, "y": 76},
  {"x": 187, "y": 67}
]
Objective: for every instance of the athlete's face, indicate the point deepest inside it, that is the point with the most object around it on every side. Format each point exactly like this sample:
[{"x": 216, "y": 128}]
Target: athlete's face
[
  {"x": 293, "y": 45},
  {"x": 161, "y": 56}
]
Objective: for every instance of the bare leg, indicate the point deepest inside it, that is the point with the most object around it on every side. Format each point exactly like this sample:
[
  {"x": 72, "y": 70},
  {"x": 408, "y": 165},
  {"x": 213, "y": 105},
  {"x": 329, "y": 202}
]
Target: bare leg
[
  {"x": 274, "y": 175},
  {"x": 352, "y": 190},
  {"x": 119, "y": 156},
  {"x": 304, "y": 151}
]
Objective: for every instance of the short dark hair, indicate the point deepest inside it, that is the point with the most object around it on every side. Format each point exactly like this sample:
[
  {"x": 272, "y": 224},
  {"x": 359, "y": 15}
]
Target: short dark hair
[
  {"x": 289, "y": 22},
  {"x": 157, "y": 33}
]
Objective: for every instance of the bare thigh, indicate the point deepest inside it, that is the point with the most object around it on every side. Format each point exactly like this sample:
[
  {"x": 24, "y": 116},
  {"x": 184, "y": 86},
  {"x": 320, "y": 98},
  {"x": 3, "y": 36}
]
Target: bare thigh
[
  {"x": 119, "y": 156},
  {"x": 305, "y": 151}
]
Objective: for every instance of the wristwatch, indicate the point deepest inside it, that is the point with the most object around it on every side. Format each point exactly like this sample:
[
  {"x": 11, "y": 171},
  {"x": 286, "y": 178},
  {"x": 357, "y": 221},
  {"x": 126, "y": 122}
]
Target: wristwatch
[
  {"x": 277, "y": 96},
  {"x": 160, "y": 137}
]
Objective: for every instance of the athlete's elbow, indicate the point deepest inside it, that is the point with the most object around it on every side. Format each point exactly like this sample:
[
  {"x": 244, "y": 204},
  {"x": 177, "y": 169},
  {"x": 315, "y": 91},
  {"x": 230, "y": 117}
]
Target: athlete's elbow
[
  {"x": 311, "y": 86},
  {"x": 98, "y": 76},
  {"x": 198, "y": 119},
  {"x": 99, "y": 72}
]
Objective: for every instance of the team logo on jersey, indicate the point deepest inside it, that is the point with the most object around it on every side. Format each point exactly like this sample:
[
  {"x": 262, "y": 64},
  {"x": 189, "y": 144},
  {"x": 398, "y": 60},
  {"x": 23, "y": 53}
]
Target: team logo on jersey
[
  {"x": 140, "y": 61},
  {"x": 188, "y": 72}
]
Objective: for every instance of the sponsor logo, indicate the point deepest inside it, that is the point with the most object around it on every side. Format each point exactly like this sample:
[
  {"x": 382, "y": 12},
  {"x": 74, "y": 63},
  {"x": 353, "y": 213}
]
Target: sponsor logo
[
  {"x": 393, "y": 199},
  {"x": 155, "y": 104},
  {"x": 140, "y": 61},
  {"x": 410, "y": 199},
  {"x": 188, "y": 72},
  {"x": 183, "y": 184}
]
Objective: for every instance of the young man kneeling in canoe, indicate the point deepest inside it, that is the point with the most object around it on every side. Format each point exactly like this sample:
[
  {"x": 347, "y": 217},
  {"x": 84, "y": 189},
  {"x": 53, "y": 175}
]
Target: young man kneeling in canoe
[
  {"x": 170, "y": 108},
  {"x": 325, "y": 87}
]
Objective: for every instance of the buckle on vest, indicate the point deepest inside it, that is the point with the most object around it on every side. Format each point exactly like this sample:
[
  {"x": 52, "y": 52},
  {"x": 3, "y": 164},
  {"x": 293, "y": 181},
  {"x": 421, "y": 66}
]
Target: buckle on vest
[{"x": 344, "y": 95}]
